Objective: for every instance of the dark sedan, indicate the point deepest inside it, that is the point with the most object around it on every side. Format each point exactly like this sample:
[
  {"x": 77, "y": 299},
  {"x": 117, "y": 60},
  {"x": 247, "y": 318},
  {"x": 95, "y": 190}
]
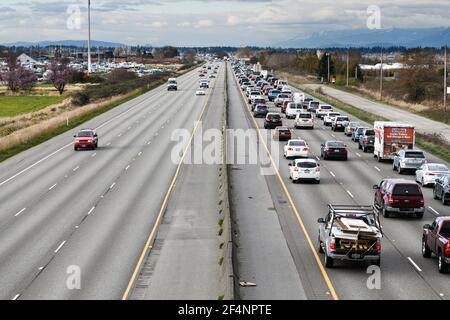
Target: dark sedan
[
  {"x": 334, "y": 150},
  {"x": 260, "y": 110},
  {"x": 272, "y": 121}
]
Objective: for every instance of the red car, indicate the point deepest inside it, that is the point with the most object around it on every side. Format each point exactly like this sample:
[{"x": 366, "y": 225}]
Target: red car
[
  {"x": 86, "y": 139},
  {"x": 282, "y": 134},
  {"x": 399, "y": 196}
]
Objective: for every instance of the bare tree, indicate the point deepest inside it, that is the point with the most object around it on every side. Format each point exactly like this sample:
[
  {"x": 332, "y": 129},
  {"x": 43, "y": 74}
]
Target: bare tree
[
  {"x": 60, "y": 73},
  {"x": 18, "y": 78}
]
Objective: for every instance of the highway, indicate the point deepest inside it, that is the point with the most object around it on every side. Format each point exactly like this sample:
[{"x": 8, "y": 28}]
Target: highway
[
  {"x": 100, "y": 211},
  {"x": 91, "y": 209},
  {"x": 404, "y": 273}
]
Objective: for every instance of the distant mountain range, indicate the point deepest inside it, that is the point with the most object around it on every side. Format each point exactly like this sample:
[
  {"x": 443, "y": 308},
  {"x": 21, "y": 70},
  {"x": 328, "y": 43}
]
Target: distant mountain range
[
  {"x": 66, "y": 43},
  {"x": 415, "y": 37}
]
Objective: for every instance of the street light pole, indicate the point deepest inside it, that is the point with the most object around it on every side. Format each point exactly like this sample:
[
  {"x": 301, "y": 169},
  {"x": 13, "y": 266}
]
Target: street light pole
[
  {"x": 381, "y": 75},
  {"x": 348, "y": 58},
  {"x": 89, "y": 37},
  {"x": 328, "y": 55},
  {"x": 445, "y": 79}
]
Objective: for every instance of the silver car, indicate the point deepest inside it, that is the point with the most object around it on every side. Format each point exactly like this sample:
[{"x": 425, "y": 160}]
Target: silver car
[{"x": 408, "y": 160}]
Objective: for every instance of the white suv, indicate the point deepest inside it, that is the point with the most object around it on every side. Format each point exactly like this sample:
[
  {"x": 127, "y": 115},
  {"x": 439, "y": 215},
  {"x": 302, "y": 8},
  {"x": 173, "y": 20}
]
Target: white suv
[
  {"x": 292, "y": 109},
  {"x": 304, "y": 120},
  {"x": 304, "y": 169}
]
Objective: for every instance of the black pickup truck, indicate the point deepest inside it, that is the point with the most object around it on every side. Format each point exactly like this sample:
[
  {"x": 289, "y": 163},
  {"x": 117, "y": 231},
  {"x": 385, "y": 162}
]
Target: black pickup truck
[{"x": 436, "y": 239}]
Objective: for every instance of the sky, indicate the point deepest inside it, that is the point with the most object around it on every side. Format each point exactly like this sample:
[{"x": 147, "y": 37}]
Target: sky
[{"x": 207, "y": 22}]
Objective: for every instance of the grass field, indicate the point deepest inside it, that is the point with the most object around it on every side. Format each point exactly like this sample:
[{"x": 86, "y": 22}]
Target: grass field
[{"x": 11, "y": 106}]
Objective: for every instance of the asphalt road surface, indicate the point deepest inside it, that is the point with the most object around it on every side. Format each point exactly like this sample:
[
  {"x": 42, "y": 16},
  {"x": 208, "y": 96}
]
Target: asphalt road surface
[
  {"x": 91, "y": 211},
  {"x": 404, "y": 273}
]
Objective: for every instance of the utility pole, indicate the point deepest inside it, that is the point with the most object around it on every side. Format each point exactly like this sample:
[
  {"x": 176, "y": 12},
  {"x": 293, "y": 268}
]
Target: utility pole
[
  {"x": 348, "y": 62},
  {"x": 445, "y": 79},
  {"x": 328, "y": 55},
  {"x": 381, "y": 75},
  {"x": 89, "y": 37}
]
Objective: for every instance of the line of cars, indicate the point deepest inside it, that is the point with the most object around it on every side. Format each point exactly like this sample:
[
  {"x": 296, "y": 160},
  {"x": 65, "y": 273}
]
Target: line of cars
[{"x": 354, "y": 233}]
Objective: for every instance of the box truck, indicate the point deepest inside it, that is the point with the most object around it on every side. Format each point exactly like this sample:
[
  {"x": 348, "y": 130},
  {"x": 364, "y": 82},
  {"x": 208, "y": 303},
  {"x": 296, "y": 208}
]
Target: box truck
[{"x": 391, "y": 137}]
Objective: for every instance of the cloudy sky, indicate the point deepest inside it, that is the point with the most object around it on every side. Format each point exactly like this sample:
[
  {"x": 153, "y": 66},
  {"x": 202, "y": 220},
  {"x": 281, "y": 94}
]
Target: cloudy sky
[{"x": 206, "y": 22}]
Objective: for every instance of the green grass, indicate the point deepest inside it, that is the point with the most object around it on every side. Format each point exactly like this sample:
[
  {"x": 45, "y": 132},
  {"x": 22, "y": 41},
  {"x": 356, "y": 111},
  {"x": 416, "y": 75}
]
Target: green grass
[
  {"x": 429, "y": 143},
  {"x": 11, "y": 106}
]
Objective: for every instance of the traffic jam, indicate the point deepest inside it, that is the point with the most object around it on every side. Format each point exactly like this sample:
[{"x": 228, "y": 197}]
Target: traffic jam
[{"x": 414, "y": 186}]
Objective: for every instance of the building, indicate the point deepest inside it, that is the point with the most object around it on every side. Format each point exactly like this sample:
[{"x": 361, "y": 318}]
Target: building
[{"x": 25, "y": 59}]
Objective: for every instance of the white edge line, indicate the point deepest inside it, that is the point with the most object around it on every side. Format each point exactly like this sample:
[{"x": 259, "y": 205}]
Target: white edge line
[
  {"x": 20, "y": 212},
  {"x": 92, "y": 210},
  {"x": 60, "y": 246},
  {"x": 332, "y": 173},
  {"x": 52, "y": 187},
  {"x": 434, "y": 211},
  {"x": 16, "y": 297},
  {"x": 414, "y": 264},
  {"x": 350, "y": 194},
  {"x": 378, "y": 169}
]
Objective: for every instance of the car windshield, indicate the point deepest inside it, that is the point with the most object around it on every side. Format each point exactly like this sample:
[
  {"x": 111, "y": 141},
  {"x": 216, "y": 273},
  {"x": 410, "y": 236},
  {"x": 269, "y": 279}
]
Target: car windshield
[
  {"x": 283, "y": 96},
  {"x": 314, "y": 104},
  {"x": 370, "y": 133},
  {"x": 297, "y": 143},
  {"x": 85, "y": 134},
  {"x": 284, "y": 130},
  {"x": 306, "y": 165},
  {"x": 437, "y": 167},
  {"x": 305, "y": 115},
  {"x": 325, "y": 107},
  {"x": 406, "y": 190},
  {"x": 361, "y": 130},
  {"x": 445, "y": 230},
  {"x": 414, "y": 155},
  {"x": 274, "y": 116},
  {"x": 336, "y": 144},
  {"x": 274, "y": 92}
]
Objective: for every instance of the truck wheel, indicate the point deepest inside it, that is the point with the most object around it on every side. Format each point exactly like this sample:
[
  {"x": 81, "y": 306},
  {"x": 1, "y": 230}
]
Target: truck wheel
[
  {"x": 359, "y": 146},
  {"x": 320, "y": 249},
  {"x": 329, "y": 262},
  {"x": 394, "y": 168},
  {"x": 386, "y": 213},
  {"x": 426, "y": 252},
  {"x": 442, "y": 265}
]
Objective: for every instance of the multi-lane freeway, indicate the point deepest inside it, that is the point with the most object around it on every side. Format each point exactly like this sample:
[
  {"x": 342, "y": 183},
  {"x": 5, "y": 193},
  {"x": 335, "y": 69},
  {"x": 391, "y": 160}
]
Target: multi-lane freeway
[{"x": 101, "y": 210}]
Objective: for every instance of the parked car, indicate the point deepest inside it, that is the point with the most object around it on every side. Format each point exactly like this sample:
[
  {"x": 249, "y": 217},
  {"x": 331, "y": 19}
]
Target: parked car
[
  {"x": 296, "y": 148},
  {"x": 350, "y": 127},
  {"x": 272, "y": 121},
  {"x": 428, "y": 173},
  {"x": 339, "y": 123},
  {"x": 304, "y": 169},
  {"x": 282, "y": 134},
  {"x": 85, "y": 139},
  {"x": 399, "y": 196},
  {"x": 367, "y": 140},
  {"x": 333, "y": 150},
  {"x": 260, "y": 110},
  {"x": 436, "y": 240},
  {"x": 350, "y": 233},
  {"x": 304, "y": 120},
  {"x": 408, "y": 160},
  {"x": 442, "y": 189}
]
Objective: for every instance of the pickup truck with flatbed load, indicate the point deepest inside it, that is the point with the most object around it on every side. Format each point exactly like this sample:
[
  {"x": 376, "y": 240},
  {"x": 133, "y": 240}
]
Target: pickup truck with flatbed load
[
  {"x": 436, "y": 240},
  {"x": 350, "y": 233}
]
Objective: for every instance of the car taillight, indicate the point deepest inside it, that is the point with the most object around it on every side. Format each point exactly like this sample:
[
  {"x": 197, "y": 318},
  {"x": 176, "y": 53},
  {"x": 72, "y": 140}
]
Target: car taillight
[
  {"x": 422, "y": 201},
  {"x": 378, "y": 246},
  {"x": 390, "y": 199},
  {"x": 447, "y": 249},
  {"x": 318, "y": 169},
  {"x": 290, "y": 149},
  {"x": 366, "y": 139},
  {"x": 306, "y": 149},
  {"x": 429, "y": 174},
  {"x": 332, "y": 244}
]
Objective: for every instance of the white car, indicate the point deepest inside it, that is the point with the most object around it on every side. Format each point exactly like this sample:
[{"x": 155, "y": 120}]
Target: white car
[
  {"x": 329, "y": 118},
  {"x": 249, "y": 89},
  {"x": 304, "y": 169},
  {"x": 281, "y": 98},
  {"x": 200, "y": 92},
  {"x": 254, "y": 95},
  {"x": 296, "y": 148},
  {"x": 293, "y": 109},
  {"x": 429, "y": 172},
  {"x": 323, "y": 110},
  {"x": 304, "y": 120}
]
